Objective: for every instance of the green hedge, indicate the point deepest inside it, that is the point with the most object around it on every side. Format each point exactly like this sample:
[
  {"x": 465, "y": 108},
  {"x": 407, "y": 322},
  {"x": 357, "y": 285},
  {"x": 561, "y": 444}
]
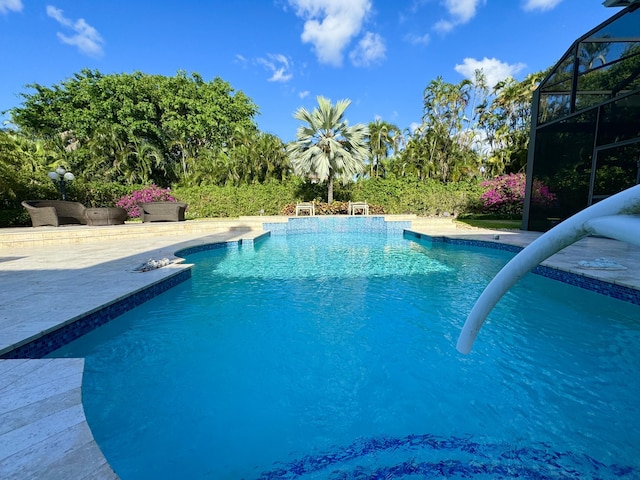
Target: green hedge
[
  {"x": 393, "y": 196},
  {"x": 228, "y": 201},
  {"x": 423, "y": 198}
]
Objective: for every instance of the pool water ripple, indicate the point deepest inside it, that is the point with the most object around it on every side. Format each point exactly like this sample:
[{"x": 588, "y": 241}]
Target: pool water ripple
[{"x": 283, "y": 356}]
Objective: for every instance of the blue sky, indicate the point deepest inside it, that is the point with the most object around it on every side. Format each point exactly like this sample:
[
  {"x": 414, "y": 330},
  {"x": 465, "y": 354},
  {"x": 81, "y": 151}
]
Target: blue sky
[{"x": 380, "y": 54}]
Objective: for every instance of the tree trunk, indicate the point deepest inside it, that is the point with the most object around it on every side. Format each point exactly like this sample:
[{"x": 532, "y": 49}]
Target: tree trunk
[{"x": 330, "y": 190}]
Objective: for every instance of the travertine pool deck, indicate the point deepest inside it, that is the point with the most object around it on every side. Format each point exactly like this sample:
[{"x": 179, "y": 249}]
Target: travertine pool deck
[{"x": 52, "y": 276}]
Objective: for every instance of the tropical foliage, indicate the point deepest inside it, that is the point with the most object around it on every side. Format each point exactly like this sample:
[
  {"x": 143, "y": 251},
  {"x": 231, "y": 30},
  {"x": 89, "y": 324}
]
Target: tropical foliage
[
  {"x": 469, "y": 131},
  {"x": 441, "y": 147},
  {"x": 384, "y": 139},
  {"x": 327, "y": 147},
  {"x": 124, "y": 132},
  {"x": 249, "y": 158},
  {"x": 506, "y": 122},
  {"x": 135, "y": 127}
]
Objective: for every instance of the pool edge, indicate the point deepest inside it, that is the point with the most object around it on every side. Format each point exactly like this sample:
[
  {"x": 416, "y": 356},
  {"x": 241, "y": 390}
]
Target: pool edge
[{"x": 582, "y": 280}]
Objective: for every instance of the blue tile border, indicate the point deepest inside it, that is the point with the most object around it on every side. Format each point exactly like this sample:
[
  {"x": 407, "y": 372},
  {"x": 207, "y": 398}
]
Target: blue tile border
[
  {"x": 248, "y": 242},
  {"x": 620, "y": 292},
  {"x": 53, "y": 340},
  {"x": 206, "y": 247},
  {"x": 69, "y": 332},
  {"x": 254, "y": 241},
  {"x": 463, "y": 241},
  {"x": 613, "y": 290}
]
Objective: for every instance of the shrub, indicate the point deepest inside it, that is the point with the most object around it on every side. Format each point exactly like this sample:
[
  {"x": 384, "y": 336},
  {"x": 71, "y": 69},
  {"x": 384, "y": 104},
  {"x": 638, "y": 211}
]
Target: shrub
[
  {"x": 152, "y": 193},
  {"x": 505, "y": 194},
  {"x": 100, "y": 194},
  {"x": 213, "y": 201},
  {"x": 335, "y": 208},
  {"x": 421, "y": 197}
]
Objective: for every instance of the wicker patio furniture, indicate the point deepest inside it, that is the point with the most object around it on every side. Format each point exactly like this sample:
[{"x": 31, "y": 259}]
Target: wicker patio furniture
[
  {"x": 55, "y": 212},
  {"x": 105, "y": 216},
  {"x": 162, "y": 211}
]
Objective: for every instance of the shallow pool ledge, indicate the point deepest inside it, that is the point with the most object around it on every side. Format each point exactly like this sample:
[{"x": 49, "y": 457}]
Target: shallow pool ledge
[{"x": 42, "y": 423}]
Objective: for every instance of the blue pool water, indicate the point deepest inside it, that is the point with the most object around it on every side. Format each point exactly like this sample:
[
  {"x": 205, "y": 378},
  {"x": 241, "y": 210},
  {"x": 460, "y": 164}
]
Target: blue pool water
[{"x": 333, "y": 356}]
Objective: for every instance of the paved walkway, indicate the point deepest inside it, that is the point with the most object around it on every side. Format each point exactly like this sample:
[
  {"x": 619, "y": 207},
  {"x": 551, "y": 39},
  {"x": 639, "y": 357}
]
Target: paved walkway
[{"x": 43, "y": 431}]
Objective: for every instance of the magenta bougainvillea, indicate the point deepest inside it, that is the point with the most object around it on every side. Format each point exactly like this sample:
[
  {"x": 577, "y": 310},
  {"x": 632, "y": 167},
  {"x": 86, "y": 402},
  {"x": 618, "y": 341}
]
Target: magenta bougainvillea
[
  {"x": 505, "y": 194},
  {"x": 152, "y": 193}
]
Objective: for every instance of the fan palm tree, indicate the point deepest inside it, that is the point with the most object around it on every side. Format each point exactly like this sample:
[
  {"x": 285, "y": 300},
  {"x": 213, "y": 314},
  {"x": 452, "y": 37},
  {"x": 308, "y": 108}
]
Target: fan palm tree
[{"x": 327, "y": 147}]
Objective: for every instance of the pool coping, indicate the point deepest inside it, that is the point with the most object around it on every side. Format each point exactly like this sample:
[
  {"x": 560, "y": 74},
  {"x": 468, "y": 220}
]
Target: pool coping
[{"x": 58, "y": 369}]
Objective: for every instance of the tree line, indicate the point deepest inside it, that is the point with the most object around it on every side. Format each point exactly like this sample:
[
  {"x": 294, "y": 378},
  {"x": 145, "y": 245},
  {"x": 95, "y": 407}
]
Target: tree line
[{"x": 136, "y": 129}]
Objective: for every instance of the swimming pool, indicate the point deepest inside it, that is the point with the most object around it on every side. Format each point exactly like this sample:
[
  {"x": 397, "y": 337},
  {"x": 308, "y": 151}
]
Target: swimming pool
[{"x": 334, "y": 356}]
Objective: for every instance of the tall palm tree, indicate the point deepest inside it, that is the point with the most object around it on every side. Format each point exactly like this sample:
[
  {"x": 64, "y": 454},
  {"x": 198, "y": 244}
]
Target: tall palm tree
[
  {"x": 327, "y": 147},
  {"x": 383, "y": 137}
]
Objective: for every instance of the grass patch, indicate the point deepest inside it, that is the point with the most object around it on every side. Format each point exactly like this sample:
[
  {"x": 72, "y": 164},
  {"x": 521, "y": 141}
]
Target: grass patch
[{"x": 492, "y": 223}]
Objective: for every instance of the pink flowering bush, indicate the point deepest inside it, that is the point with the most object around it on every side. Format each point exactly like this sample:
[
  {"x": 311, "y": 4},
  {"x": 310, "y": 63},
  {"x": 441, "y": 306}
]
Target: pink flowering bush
[
  {"x": 152, "y": 193},
  {"x": 505, "y": 194}
]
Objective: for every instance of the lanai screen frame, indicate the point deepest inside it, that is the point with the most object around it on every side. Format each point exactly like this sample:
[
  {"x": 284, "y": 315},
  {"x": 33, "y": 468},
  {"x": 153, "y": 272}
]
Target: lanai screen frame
[{"x": 588, "y": 123}]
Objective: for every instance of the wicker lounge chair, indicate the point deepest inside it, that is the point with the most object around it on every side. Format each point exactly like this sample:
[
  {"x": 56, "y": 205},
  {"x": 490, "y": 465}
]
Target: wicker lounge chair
[
  {"x": 162, "y": 211},
  {"x": 55, "y": 212}
]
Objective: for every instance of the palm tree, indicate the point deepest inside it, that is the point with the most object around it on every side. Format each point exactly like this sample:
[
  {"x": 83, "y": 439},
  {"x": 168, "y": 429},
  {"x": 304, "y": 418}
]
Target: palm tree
[
  {"x": 271, "y": 156},
  {"x": 327, "y": 146},
  {"x": 383, "y": 136},
  {"x": 443, "y": 121}
]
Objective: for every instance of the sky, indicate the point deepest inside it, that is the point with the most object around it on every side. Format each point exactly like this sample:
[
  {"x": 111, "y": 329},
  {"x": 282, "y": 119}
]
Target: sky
[{"x": 283, "y": 54}]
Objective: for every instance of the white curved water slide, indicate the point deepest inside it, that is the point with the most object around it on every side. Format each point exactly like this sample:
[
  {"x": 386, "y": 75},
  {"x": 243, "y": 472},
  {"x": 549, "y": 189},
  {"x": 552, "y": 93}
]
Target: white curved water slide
[{"x": 614, "y": 217}]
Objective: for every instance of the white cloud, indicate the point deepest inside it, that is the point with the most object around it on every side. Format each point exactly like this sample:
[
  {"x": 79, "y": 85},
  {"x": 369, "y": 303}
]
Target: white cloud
[
  {"x": 370, "y": 49},
  {"x": 7, "y": 6},
  {"x": 279, "y": 67},
  {"x": 443, "y": 26},
  {"x": 461, "y": 11},
  {"x": 494, "y": 70},
  {"x": 304, "y": 94},
  {"x": 542, "y": 5},
  {"x": 330, "y": 25},
  {"x": 86, "y": 38},
  {"x": 418, "y": 39}
]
